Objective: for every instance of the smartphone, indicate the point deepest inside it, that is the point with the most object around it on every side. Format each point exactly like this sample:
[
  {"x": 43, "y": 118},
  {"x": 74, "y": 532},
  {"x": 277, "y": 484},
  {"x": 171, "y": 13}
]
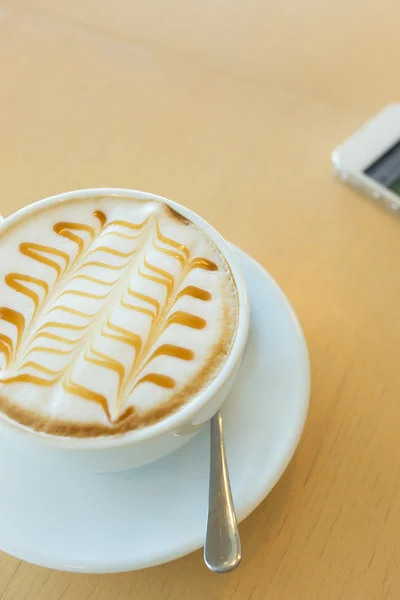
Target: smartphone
[{"x": 369, "y": 160}]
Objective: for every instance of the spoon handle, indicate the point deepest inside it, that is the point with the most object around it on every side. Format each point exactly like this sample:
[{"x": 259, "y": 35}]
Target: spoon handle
[{"x": 222, "y": 549}]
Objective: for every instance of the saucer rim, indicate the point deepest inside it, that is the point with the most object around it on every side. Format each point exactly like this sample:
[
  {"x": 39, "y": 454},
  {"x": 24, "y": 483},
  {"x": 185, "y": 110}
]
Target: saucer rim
[{"x": 107, "y": 566}]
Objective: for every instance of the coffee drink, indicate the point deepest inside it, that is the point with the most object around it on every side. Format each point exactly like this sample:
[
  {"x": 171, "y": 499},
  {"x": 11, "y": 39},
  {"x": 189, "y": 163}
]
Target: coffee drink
[{"x": 114, "y": 312}]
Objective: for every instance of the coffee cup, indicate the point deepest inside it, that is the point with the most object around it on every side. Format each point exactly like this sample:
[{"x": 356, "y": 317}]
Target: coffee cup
[{"x": 131, "y": 441}]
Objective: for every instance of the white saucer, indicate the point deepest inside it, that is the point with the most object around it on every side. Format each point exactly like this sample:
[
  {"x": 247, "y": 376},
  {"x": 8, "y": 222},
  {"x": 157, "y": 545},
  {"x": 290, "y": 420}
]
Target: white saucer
[{"x": 144, "y": 517}]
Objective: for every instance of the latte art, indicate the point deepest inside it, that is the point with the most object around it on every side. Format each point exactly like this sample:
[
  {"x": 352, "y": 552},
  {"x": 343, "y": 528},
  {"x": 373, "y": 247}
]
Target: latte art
[{"x": 114, "y": 312}]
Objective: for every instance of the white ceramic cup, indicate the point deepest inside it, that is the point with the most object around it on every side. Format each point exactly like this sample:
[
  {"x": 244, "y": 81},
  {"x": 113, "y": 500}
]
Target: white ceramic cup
[{"x": 145, "y": 445}]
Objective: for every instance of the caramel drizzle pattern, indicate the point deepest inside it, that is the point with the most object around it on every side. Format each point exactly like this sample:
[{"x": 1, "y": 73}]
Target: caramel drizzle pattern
[{"x": 69, "y": 268}]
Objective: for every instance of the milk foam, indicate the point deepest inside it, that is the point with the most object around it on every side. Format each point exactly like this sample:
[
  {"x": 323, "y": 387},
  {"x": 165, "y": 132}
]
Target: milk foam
[{"x": 113, "y": 313}]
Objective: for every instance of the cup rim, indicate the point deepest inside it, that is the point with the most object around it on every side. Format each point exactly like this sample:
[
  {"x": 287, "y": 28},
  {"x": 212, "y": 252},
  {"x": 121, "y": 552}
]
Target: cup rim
[{"x": 183, "y": 415}]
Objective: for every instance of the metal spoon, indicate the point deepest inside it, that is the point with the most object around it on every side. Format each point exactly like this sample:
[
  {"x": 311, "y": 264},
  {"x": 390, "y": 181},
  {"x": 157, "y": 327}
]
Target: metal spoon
[{"x": 222, "y": 549}]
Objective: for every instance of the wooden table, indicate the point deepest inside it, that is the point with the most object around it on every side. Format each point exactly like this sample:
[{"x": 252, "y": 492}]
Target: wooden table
[{"x": 233, "y": 108}]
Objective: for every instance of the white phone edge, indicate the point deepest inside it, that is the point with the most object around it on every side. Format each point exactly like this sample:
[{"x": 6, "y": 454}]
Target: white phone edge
[{"x": 363, "y": 148}]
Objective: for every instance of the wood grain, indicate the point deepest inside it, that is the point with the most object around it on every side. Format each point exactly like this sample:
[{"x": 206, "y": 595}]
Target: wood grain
[{"x": 233, "y": 108}]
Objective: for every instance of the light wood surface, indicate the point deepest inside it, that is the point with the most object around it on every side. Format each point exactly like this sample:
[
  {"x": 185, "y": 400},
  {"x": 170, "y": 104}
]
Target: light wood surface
[{"x": 233, "y": 108}]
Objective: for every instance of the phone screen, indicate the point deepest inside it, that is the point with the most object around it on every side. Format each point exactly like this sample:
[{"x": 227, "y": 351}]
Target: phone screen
[{"x": 386, "y": 170}]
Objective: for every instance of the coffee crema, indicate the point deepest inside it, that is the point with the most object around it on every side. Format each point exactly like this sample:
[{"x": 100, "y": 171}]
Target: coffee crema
[{"x": 114, "y": 312}]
